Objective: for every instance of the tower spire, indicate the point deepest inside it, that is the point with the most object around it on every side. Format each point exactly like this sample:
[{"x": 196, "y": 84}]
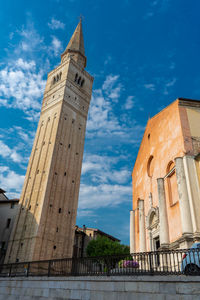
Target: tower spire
[{"x": 75, "y": 48}]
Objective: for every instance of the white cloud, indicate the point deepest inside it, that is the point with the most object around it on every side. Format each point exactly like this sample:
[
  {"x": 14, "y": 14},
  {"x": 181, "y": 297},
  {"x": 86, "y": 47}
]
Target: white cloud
[
  {"x": 24, "y": 64},
  {"x": 168, "y": 85},
  {"x": 6, "y": 152},
  {"x": 30, "y": 40},
  {"x": 103, "y": 195},
  {"x": 171, "y": 82},
  {"x": 10, "y": 180},
  {"x": 85, "y": 213},
  {"x": 157, "y": 6},
  {"x": 150, "y": 86},
  {"x": 103, "y": 169},
  {"x": 129, "y": 102},
  {"x": 21, "y": 86},
  {"x": 56, "y": 46},
  {"x": 109, "y": 82},
  {"x": 102, "y": 121},
  {"x": 56, "y": 24}
]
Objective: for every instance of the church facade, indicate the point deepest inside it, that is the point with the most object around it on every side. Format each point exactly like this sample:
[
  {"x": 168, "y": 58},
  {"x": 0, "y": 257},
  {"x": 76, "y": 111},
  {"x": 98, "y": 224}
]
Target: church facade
[
  {"x": 44, "y": 227},
  {"x": 166, "y": 181}
]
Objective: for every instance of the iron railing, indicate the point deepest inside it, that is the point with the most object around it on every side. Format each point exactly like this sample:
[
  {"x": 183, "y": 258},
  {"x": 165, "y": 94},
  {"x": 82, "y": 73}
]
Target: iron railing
[{"x": 174, "y": 262}]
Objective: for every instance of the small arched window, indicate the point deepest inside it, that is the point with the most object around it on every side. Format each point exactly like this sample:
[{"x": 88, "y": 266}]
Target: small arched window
[
  {"x": 82, "y": 82},
  {"x": 79, "y": 80},
  {"x": 171, "y": 183},
  {"x": 150, "y": 164}
]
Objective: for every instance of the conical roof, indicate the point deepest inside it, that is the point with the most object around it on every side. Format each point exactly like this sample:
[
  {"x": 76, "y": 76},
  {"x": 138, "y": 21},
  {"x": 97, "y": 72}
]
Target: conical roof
[{"x": 76, "y": 44}]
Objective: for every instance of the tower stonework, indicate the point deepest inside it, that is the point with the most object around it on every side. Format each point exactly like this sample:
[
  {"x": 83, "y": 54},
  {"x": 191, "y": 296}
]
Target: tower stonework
[{"x": 44, "y": 228}]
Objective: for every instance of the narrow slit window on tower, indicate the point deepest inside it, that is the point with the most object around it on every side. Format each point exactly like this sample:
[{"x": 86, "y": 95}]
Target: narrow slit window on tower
[
  {"x": 82, "y": 82},
  {"x": 65, "y": 173},
  {"x": 69, "y": 212},
  {"x": 76, "y": 76},
  {"x": 57, "y": 229},
  {"x": 69, "y": 145},
  {"x": 79, "y": 80},
  {"x": 59, "y": 211},
  {"x": 72, "y": 181},
  {"x": 54, "y": 247},
  {"x": 73, "y": 121},
  {"x": 8, "y": 223}
]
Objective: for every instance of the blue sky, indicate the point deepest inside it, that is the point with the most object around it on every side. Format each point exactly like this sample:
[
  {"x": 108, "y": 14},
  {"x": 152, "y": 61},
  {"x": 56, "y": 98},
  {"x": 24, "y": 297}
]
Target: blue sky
[{"x": 143, "y": 55}]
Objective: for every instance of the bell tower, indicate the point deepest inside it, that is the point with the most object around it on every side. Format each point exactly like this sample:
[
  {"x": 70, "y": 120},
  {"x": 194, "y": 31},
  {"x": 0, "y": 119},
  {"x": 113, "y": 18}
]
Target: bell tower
[{"x": 44, "y": 227}]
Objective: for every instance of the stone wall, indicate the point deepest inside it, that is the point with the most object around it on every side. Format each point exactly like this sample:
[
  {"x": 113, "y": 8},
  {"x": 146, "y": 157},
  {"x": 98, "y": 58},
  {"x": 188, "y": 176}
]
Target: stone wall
[{"x": 101, "y": 288}]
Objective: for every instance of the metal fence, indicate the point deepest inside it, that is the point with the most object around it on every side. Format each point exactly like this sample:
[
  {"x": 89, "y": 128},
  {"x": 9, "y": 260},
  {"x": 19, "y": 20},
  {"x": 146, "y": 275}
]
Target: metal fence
[{"x": 175, "y": 262}]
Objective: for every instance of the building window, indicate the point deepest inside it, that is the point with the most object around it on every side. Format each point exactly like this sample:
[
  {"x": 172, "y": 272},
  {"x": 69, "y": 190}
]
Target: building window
[
  {"x": 56, "y": 78},
  {"x": 12, "y": 204},
  {"x": 82, "y": 82},
  {"x": 150, "y": 165},
  {"x": 79, "y": 80},
  {"x": 76, "y": 77},
  {"x": 171, "y": 183},
  {"x": 3, "y": 245},
  {"x": 8, "y": 223}
]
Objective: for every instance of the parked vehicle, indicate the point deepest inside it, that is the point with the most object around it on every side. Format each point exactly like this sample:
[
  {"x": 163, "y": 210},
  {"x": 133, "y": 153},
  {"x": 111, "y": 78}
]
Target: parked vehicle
[{"x": 191, "y": 260}]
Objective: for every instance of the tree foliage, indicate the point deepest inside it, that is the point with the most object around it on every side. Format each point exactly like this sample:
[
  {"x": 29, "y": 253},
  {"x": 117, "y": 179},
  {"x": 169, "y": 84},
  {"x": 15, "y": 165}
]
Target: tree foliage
[{"x": 103, "y": 246}]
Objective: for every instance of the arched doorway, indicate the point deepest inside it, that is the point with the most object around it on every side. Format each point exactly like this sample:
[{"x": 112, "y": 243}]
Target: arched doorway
[{"x": 154, "y": 229}]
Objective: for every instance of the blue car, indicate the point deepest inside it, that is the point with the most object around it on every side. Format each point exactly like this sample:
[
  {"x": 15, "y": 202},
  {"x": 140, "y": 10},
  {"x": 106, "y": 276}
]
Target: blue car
[{"x": 191, "y": 260}]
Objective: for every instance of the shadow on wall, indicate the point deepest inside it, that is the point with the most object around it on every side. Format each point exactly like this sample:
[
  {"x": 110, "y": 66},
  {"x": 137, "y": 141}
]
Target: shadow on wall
[{"x": 22, "y": 236}]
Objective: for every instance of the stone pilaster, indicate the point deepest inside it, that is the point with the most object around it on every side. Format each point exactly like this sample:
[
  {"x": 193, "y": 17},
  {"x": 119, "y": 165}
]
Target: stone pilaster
[
  {"x": 142, "y": 234},
  {"x": 193, "y": 190},
  {"x": 164, "y": 227},
  {"x": 185, "y": 213},
  {"x": 132, "y": 231}
]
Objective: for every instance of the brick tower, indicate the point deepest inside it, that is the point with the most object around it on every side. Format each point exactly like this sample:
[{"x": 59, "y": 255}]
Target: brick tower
[{"x": 44, "y": 228}]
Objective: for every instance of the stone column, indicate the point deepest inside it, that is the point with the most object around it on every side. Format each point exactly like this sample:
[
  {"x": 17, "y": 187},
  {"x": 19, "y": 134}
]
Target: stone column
[
  {"x": 193, "y": 190},
  {"x": 164, "y": 227},
  {"x": 185, "y": 213},
  {"x": 132, "y": 231},
  {"x": 142, "y": 233}
]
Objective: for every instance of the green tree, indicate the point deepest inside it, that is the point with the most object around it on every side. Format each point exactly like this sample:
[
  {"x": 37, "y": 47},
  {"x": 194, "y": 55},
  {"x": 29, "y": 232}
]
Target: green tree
[{"x": 103, "y": 246}]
